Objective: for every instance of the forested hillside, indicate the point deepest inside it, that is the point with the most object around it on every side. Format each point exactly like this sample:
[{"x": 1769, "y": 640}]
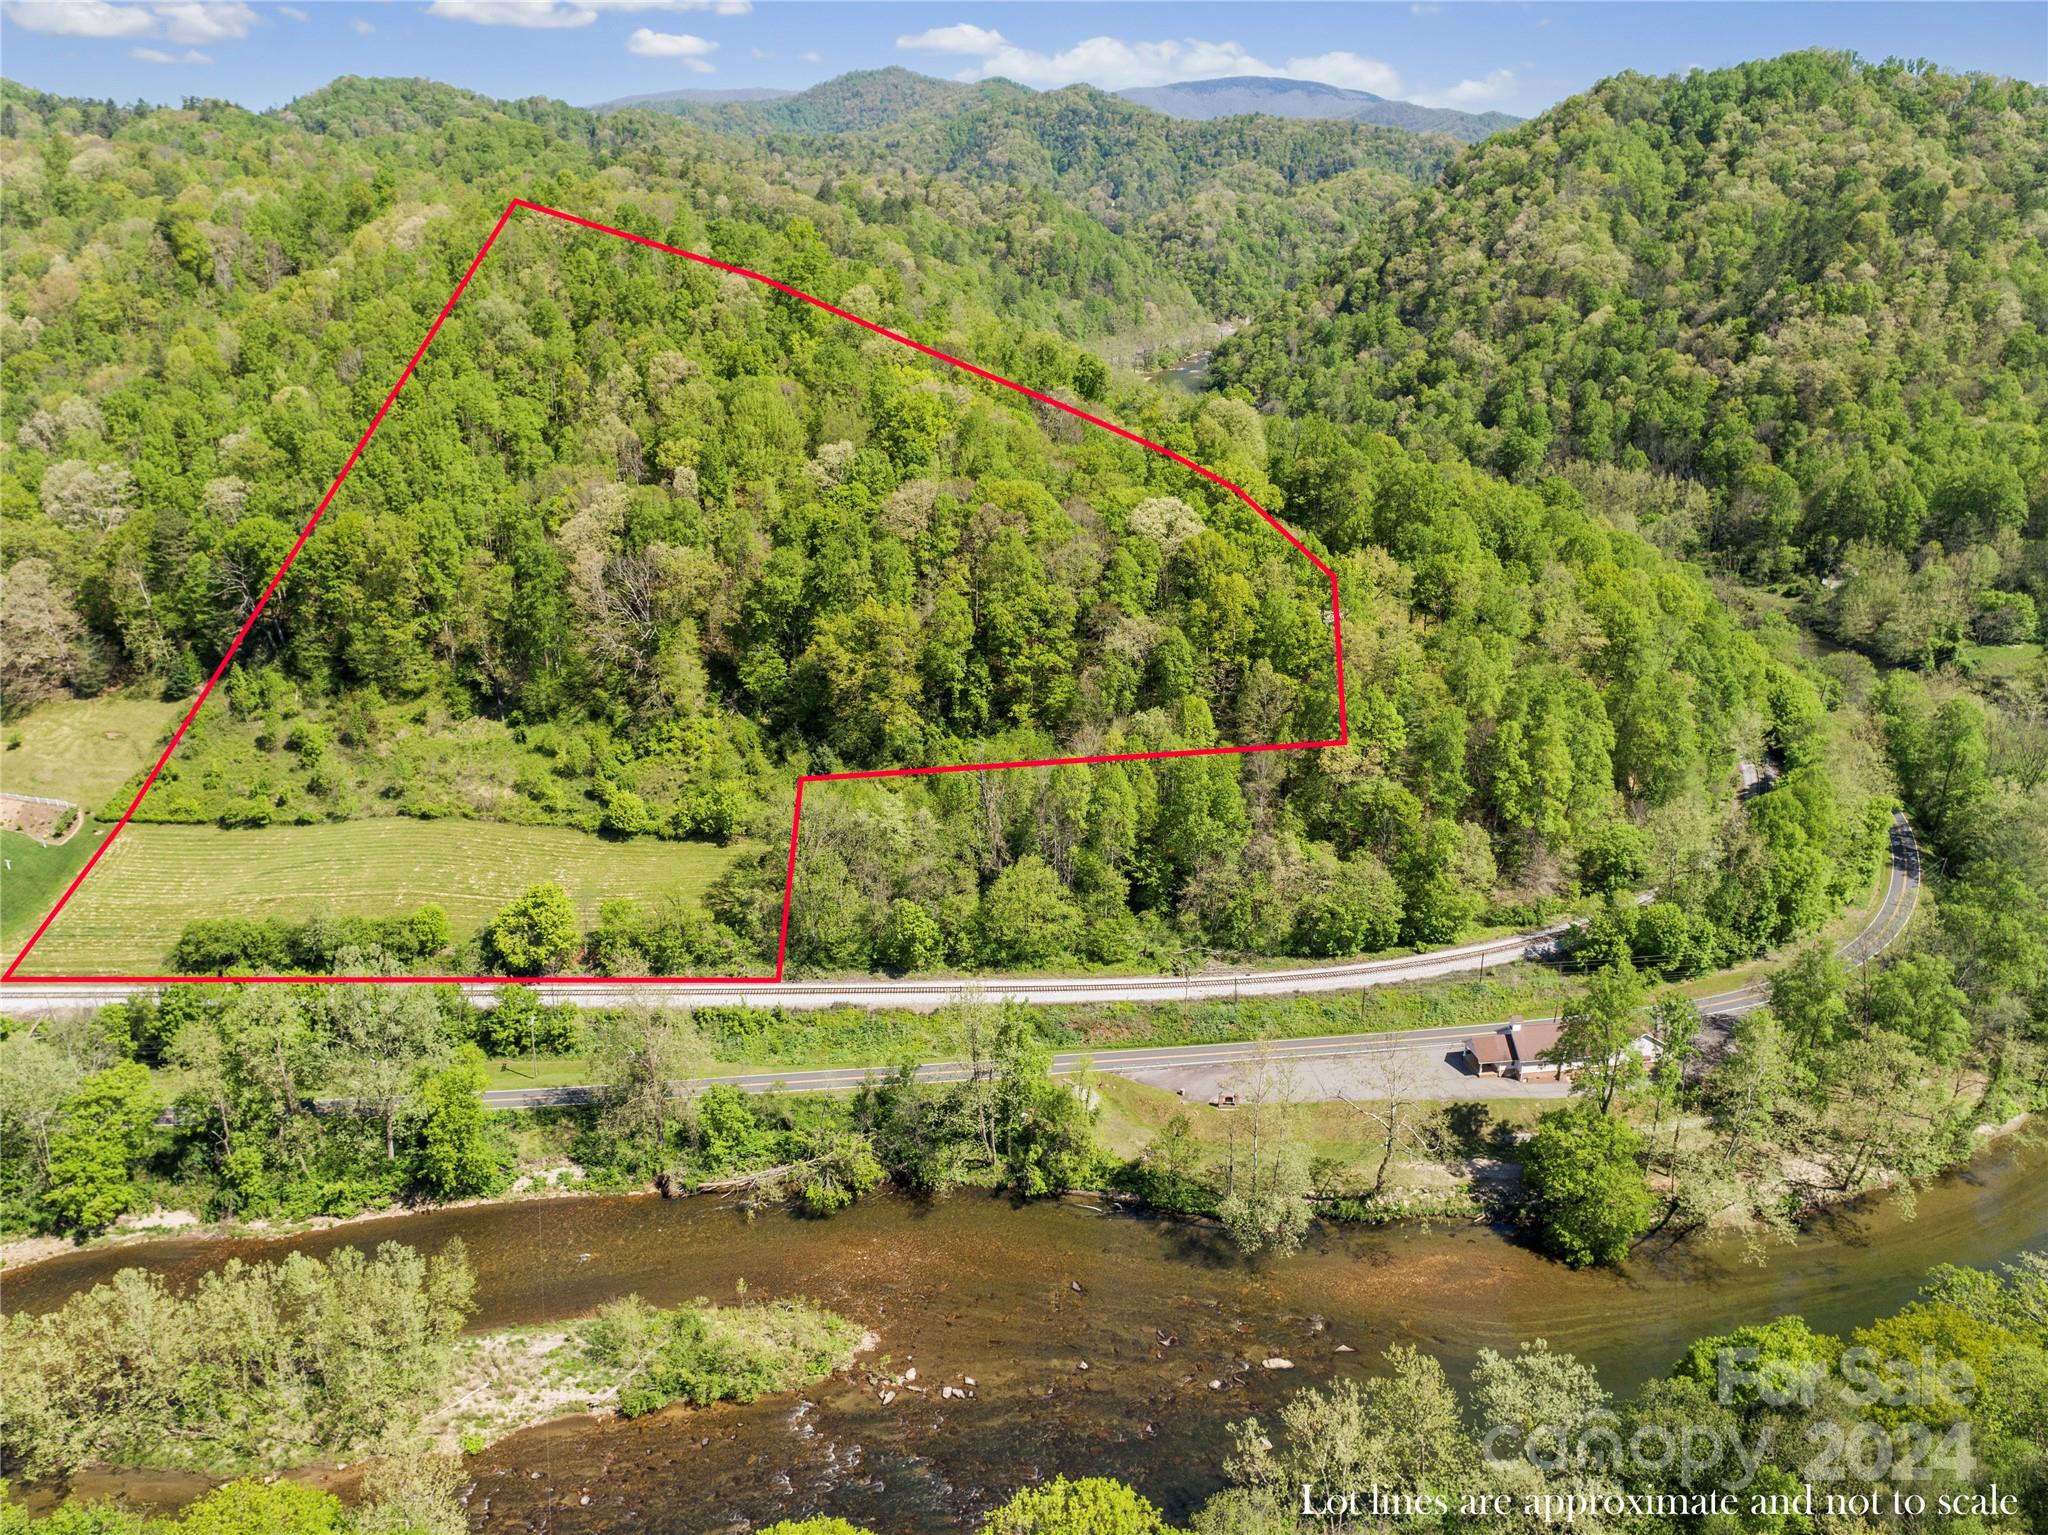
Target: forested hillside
[
  {"x": 642, "y": 542},
  {"x": 1815, "y": 287},
  {"x": 1238, "y": 209},
  {"x": 849, "y": 103},
  {"x": 1670, "y": 476}
]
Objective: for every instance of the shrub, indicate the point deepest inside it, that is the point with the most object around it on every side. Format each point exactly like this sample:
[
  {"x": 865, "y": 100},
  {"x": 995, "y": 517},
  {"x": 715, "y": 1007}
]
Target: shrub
[
  {"x": 702, "y": 1354},
  {"x": 520, "y": 1025},
  {"x": 265, "y": 1508},
  {"x": 222, "y": 945},
  {"x": 1093, "y": 1505},
  {"x": 226, "y": 945},
  {"x": 912, "y": 939},
  {"x": 625, "y": 815},
  {"x": 1616, "y": 858}
]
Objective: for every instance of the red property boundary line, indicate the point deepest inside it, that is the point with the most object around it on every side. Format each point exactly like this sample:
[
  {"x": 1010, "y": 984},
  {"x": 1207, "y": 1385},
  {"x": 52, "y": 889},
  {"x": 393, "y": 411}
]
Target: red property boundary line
[{"x": 13, "y": 971}]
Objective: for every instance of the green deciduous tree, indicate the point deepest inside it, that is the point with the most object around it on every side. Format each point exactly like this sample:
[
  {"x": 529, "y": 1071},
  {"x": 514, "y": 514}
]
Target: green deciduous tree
[
  {"x": 103, "y": 1128},
  {"x": 1585, "y": 1170},
  {"x": 1600, "y": 1028},
  {"x": 1028, "y": 917},
  {"x": 912, "y": 940},
  {"x": 1264, "y": 1174},
  {"x": 642, "y": 1056},
  {"x": 1091, "y": 1505},
  {"x": 453, "y": 1157},
  {"x": 1400, "y": 1429},
  {"x": 536, "y": 934}
]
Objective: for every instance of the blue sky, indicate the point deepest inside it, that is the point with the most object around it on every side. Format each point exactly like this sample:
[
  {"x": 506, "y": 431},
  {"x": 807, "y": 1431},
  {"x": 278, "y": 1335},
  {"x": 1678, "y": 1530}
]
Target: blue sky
[{"x": 1515, "y": 57}]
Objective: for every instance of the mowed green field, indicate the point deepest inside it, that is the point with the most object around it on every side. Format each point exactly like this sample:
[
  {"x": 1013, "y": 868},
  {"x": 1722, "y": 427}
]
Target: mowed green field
[
  {"x": 155, "y": 879},
  {"x": 32, "y": 876},
  {"x": 83, "y": 749}
]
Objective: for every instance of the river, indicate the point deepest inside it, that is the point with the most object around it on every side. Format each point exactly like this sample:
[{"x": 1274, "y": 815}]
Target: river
[
  {"x": 985, "y": 1287},
  {"x": 1190, "y": 376}
]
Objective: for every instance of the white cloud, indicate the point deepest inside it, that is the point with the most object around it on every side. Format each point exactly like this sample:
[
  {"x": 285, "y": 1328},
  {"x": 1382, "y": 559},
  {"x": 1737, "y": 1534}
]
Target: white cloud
[
  {"x": 1114, "y": 64},
  {"x": 293, "y": 12},
  {"x": 692, "y": 50},
  {"x": 512, "y": 13},
  {"x": 962, "y": 37},
  {"x": 182, "y": 21},
  {"x": 1108, "y": 62},
  {"x": 79, "y": 18},
  {"x": 1420, "y": 9},
  {"x": 812, "y": 56},
  {"x": 1498, "y": 85},
  {"x": 713, "y": 7},
  {"x": 569, "y": 13},
  {"x": 1351, "y": 70},
  {"x": 761, "y": 53},
  {"x": 206, "y": 21},
  {"x": 363, "y": 28}
]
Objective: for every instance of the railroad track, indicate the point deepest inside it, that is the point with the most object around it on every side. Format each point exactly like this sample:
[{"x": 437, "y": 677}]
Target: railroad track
[{"x": 1894, "y": 913}]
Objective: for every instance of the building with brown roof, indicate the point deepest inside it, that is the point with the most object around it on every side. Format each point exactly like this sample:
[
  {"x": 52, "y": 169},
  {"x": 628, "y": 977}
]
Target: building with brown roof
[
  {"x": 1488, "y": 1054},
  {"x": 1528, "y": 1042},
  {"x": 1515, "y": 1051},
  {"x": 1518, "y": 1051}
]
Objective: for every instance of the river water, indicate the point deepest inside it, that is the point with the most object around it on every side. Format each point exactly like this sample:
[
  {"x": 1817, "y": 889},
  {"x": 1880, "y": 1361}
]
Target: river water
[
  {"x": 1021, "y": 1296},
  {"x": 1190, "y": 376}
]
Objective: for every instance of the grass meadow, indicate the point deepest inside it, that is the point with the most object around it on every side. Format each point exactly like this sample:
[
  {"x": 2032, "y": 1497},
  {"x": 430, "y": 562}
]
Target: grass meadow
[
  {"x": 155, "y": 879},
  {"x": 32, "y": 876},
  {"x": 76, "y": 749},
  {"x": 83, "y": 749}
]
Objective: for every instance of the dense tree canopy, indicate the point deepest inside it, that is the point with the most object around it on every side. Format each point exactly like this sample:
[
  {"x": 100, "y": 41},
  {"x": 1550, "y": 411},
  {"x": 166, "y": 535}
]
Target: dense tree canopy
[
  {"x": 641, "y": 539},
  {"x": 1812, "y": 284}
]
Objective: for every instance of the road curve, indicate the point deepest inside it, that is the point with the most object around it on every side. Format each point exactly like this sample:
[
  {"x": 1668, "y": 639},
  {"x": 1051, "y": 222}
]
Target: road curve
[
  {"x": 1894, "y": 913},
  {"x": 929, "y": 994}
]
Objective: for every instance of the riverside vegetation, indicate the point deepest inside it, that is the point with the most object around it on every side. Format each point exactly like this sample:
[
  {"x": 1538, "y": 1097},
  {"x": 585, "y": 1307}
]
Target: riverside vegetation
[
  {"x": 1842, "y": 1084},
  {"x": 1944, "y": 1397},
  {"x": 354, "y": 1356}
]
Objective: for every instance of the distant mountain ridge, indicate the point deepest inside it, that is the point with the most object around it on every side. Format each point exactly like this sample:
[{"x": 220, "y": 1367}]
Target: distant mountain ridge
[
  {"x": 1232, "y": 206},
  {"x": 878, "y": 98},
  {"x": 706, "y": 96},
  {"x": 858, "y": 101},
  {"x": 1240, "y": 95}
]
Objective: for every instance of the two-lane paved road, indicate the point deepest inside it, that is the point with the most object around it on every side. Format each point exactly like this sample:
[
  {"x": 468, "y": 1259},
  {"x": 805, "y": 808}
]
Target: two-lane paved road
[
  {"x": 1887, "y": 922},
  {"x": 1894, "y": 911}
]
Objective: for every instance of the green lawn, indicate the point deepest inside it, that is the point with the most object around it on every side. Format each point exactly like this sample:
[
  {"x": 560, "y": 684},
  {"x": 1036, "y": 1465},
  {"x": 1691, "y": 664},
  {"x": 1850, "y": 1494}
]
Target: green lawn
[
  {"x": 83, "y": 749},
  {"x": 33, "y": 877},
  {"x": 2000, "y": 665},
  {"x": 540, "y": 1071},
  {"x": 155, "y": 879},
  {"x": 1134, "y": 1112}
]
